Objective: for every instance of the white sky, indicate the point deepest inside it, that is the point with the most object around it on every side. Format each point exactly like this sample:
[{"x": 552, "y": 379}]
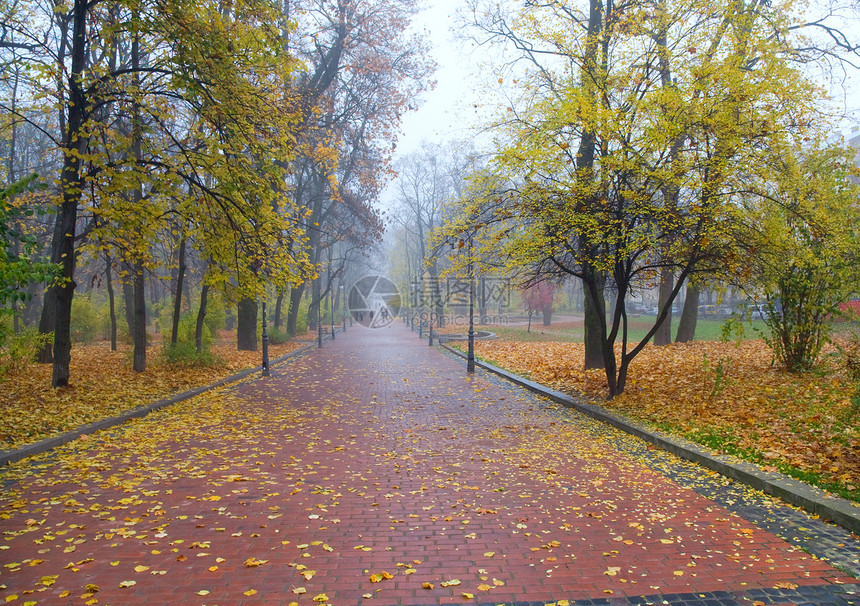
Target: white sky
[{"x": 446, "y": 111}]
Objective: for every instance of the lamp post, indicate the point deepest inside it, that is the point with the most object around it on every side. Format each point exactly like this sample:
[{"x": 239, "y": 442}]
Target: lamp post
[
  {"x": 265, "y": 343},
  {"x": 470, "y": 357},
  {"x": 319, "y": 321},
  {"x": 343, "y": 309}
]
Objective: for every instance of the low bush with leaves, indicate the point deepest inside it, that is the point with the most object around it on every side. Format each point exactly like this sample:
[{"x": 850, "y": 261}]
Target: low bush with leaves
[
  {"x": 184, "y": 353},
  {"x": 19, "y": 350}
]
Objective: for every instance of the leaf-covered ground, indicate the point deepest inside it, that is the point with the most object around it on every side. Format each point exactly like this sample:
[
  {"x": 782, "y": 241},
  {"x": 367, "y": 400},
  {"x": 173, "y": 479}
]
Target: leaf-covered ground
[
  {"x": 103, "y": 384},
  {"x": 724, "y": 395},
  {"x": 376, "y": 471}
]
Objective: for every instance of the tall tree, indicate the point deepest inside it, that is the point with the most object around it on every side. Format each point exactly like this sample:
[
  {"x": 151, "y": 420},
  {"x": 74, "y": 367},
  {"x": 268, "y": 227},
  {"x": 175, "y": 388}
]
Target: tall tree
[{"x": 661, "y": 195}]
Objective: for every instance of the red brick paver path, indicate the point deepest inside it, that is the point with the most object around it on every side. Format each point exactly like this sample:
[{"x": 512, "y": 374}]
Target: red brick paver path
[{"x": 373, "y": 459}]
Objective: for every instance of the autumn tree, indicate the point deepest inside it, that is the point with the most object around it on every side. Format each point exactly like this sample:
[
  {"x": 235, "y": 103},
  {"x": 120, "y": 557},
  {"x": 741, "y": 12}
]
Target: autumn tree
[
  {"x": 539, "y": 297},
  {"x": 152, "y": 98},
  {"x": 362, "y": 68},
  {"x": 670, "y": 155}
]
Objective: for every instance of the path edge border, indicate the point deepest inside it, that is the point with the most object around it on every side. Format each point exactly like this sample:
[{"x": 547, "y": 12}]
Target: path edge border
[
  {"x": 814, "y": 500},
  {"x": 42, "y": 446}
]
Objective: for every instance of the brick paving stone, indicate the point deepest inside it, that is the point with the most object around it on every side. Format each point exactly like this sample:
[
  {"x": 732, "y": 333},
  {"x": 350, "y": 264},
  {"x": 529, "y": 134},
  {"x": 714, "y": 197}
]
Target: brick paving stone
[{"x": 378, "y": 454}]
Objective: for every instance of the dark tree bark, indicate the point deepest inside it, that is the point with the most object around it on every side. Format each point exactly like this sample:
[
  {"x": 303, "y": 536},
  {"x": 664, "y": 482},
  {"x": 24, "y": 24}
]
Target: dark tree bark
[
  {"x": 128, "y": 299},
  {"x": 57, "y": 310},
  {"x": 111, "y": 302},
  {"x": 593, "y": 321},
  {"x": 47, "y": 320},
  {"x": 293, "y": 315},
  {"x": 201, "y": 317},
  {"x": 663, "y": 336},
  {"x": 177, "y": 301},
  {"x": 246, "y": 325},
  {"x": 689, "y": 316},
  {"x": 139, "y": 362},
  {"x": 276, "y": 322},
  {"x": 547, "y": 316},
  {"x": 314, "y": 307}
]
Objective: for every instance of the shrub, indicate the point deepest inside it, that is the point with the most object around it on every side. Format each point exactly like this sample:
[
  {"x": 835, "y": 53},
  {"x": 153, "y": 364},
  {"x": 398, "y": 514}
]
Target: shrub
[
  {"x": 18, "y": 350},
  {"x": 86, "y": 321},
  {"x": 184, "y": 353},
  {"x": 278, "y": 336},
  {"x": 188, "y": 330},
  {"x": 216, "y": 313}
]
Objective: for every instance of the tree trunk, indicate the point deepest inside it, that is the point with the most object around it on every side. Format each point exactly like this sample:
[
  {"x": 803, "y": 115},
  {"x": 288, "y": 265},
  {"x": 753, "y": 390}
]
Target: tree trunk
[
  {"x": 314, "y": 307},
  {"x": 293, "y": 315},
  {"x": 46, "y": 326},
  {"x": 276, "y": 321},
  {"x": 593, "y": 321},
  {"x": 128, "y": 299},
  {"x": 201, "y": 316},
  {"x": 177, "y": 301},
  {"x": 139, "y": 363},
  {"x": 246, "y": 325},
  {"x": 663, "y": 336},
  {"x": 547, "y": 317},
  {"x": 111, "y": 303},
  {"x": 689, "y": 316},
  {"x": 57, "y": 310}
]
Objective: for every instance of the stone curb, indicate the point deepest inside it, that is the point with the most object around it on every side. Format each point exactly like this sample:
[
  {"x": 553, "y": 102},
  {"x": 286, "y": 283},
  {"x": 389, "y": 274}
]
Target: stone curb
[
  {"x": 814, "y": 500},
  {"x": 42, "y": 446}
]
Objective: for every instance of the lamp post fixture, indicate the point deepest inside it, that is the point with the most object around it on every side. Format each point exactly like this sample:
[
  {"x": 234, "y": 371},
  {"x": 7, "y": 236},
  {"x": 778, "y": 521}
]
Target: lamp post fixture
[
  {"x": 319, "y": 322},
  {"x": 331, "y": 314},
  {"x": 470, "y": 357},
  {"x": 265, "y": 343},
  {"x": 343, "y": 309}
]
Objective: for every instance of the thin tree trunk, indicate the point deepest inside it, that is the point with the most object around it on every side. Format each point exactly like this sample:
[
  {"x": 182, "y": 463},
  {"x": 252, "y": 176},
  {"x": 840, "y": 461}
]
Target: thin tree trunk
[
  {"x": 201, "y": 316},
  {"x": 177, "y": 302},
  {"x": 139, "y": 363},
  {"x": 128, "y": 300},
  {"x": 246, "y": 325},
  {"x": 315, "y": 306},
  {"x": 663, "y": 336},
  {"x": 278, "y": 305},
  {"x": 111, "y": 302},
  {"x": 689, "y": 316}
]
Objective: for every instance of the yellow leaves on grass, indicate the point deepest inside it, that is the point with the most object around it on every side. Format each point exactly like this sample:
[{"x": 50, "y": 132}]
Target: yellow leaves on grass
[
  {"x": 726, "y": 395},
  {"x": 103, "y": 384}
]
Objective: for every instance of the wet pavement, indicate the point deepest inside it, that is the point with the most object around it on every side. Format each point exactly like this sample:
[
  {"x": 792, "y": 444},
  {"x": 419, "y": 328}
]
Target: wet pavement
[{"x": 375, "y": 471}]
